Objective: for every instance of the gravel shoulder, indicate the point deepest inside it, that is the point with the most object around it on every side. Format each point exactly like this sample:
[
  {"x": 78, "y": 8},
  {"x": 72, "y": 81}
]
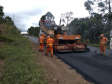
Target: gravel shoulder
[{"x": 56, "y": 70}]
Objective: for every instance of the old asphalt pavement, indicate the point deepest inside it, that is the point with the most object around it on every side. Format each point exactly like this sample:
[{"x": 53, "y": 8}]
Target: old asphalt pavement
[{"x": 91, "y": 65}]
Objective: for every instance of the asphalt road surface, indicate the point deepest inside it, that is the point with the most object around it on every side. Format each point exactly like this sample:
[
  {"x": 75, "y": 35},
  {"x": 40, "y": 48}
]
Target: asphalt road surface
[{"x": 93, "y": 66}]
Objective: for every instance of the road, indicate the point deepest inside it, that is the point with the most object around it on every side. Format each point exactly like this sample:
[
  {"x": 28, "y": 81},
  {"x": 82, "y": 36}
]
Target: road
[{"x": 93, "y": 66}]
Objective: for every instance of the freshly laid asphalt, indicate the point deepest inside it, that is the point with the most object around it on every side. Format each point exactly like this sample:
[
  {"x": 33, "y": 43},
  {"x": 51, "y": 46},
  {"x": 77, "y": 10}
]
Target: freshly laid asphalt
[{"x": 93, "y": 66}]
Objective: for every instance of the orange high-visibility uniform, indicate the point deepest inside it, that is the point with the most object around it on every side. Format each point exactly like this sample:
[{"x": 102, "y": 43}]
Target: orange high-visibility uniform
[
  {"x": 50, "y": 42},
  {"x": 41, "y": 39},
  {"x": 103, "y": 41}
]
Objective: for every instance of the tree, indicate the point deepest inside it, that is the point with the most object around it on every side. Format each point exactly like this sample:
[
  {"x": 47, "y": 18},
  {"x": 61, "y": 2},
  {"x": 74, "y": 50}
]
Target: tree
[
  {"x": 1, "y": 14},
  {"x": 49, "y": 16},
  {"x": 89, "y": 28},
  {"x": 67, "y": 17},
  {"x": 99, "y": 6},
  {"x": 9, "y": 19},
  {"x": 34, "y": 31}
]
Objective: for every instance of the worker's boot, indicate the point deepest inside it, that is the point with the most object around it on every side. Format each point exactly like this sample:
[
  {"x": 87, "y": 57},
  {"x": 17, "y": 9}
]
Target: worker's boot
[
  {"x": 51, "y": 55},
  {"x": 100, "y": 53},
  {"x": 46, "y": 54},
  {"x": 39, "y": 50},
  {"x": 42, "y": 49},
  {"x": 103, "y": 53}
]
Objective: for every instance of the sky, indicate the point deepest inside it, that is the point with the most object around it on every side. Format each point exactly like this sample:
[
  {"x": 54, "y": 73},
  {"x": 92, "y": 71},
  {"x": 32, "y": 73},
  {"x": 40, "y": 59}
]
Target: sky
[{"x": 27, "y": 13}]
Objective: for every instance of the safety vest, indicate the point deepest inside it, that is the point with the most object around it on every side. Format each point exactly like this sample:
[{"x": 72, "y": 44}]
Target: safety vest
[
  {"x": 50, "y": 42},
  {"x": 41, "y": 39},
  {"x": 103, "y": 40}
]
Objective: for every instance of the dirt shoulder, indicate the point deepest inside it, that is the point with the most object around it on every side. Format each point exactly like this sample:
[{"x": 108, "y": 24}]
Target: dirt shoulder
[{"x": 57, "y": 71}]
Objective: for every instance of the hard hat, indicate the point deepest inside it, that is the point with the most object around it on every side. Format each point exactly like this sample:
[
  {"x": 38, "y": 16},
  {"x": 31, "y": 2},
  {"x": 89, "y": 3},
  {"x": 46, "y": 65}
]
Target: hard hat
[{"x": 102, "y": 35}]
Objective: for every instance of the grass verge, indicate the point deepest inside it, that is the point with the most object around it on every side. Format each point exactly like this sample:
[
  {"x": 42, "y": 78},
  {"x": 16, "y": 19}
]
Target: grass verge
[
  {"x": 98, "y": 45},
  {"x": 19, "y": 65}
]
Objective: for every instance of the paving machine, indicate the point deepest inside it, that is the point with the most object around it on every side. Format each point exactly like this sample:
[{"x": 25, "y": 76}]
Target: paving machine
[{"x": 62, "y": 41}]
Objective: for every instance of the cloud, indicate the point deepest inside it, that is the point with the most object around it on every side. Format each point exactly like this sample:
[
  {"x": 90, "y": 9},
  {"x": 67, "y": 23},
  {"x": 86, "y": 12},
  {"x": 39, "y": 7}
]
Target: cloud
[
  {"x": 27, "y": 13},
  {"x": 22, "y": 19}
]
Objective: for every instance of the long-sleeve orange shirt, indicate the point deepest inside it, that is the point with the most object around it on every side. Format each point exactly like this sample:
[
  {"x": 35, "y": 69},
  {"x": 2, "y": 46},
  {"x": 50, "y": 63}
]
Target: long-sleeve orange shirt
[
  {"x": 50, "y": 42},
  {"x": 41, "y": 39},
  {"x": 103, "y": 40}
]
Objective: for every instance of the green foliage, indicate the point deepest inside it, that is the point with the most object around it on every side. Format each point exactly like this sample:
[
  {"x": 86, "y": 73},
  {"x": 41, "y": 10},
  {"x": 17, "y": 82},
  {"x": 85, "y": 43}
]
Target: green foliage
[
  {"x": 1, "y": 11},
  {"x": 100, "y": 5},
  {"x": 8, "y": 32},
  {"x": 1, "y": 14},
  {"x": 20, "y": 66},
  {"x": 89, "y": 28},
  {"x": 110, "y": 16},
  {"x": 88, "y": 5},
  {"x": 34, "y": 31},
  {"x": 9, "y": 20},
  {"x": 5, "y": 39},
  {"x": 48, "y": 15}
]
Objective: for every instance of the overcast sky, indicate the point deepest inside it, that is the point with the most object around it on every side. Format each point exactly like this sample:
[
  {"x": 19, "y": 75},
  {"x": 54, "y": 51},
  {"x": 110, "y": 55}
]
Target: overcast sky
[{"x": 27, "y": 13}]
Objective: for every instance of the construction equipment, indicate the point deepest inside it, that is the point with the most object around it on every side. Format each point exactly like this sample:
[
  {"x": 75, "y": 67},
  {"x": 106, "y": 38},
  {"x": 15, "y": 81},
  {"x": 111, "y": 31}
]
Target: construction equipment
[{"x": 62, "y": 41}]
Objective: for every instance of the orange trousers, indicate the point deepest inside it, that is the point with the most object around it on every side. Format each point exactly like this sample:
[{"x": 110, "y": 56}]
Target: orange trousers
[
  {"x": 41, "y": 46},
  {"x": 50, "y": 49},
  {"x": 102, "y": 48}
]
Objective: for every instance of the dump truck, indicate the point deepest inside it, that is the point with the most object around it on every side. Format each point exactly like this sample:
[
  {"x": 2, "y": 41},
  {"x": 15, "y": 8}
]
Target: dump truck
[{"x": 62, "y": 41}]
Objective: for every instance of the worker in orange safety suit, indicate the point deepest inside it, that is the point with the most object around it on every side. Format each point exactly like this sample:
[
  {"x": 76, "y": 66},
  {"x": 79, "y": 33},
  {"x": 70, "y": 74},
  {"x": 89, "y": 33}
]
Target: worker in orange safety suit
[
  {"x": 103, "y": 41},
  {"x": 41, "y": 40},
  {"x": 49, "y": 46}
]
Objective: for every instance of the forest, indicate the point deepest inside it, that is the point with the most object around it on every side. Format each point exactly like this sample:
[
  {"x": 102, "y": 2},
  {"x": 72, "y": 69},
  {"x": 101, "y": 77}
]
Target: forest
[{"x": 99, "y": 21}]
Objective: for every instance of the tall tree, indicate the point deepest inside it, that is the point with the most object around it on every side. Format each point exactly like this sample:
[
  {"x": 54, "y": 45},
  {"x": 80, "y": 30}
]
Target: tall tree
[
  {"x": 99, "y": 6},
  {"x": 49, "y": 16},
  {"x": 67, "y": 17},
  {"x": 9, "y": 20},
  {"x": 89, "y": 28},
  {"x": 34, "y": 31},
  {"x": 1, "y": 14}
]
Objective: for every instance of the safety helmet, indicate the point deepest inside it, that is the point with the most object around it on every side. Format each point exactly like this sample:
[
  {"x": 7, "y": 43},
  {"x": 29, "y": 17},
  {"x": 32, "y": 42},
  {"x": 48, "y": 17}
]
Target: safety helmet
[{"x": 102, "y": 35}]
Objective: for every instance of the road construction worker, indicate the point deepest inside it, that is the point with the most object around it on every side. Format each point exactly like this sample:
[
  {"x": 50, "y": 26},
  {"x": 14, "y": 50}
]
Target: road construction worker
[
  {"x": 41, "y": 40},
  {"x": 103, "y": 41},
  {"x": 49, "y": 46}
]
